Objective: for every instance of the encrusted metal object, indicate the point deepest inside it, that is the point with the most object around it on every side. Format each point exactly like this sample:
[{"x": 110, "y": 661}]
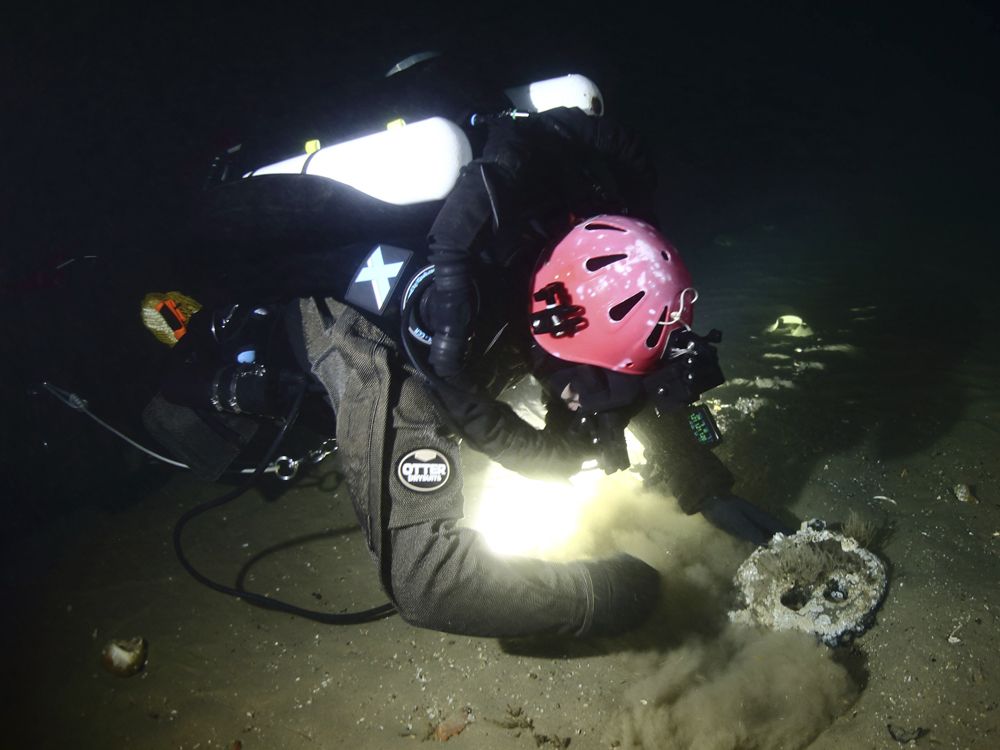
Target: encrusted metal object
[{"x": 816, "y": 581}]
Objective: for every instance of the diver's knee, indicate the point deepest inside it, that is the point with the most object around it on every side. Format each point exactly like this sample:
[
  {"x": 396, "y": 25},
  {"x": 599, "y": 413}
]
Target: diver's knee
[
  {"x": 411, "y": 610},
  {"x": 420, "y": 600}
]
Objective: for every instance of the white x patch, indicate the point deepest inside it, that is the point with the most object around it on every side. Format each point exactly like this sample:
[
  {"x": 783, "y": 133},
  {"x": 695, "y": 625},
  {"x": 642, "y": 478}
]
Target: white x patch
[{"x": 379, "y": 273}]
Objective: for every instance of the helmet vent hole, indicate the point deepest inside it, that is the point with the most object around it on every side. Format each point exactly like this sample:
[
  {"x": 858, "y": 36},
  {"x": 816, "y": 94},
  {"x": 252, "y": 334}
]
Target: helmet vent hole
[
  {"x": 624, "y": 307},
  {"x": 666, "y": 255},
  {"x": 595, "y": 264},
  {"x": 595, "y": 226},
  {"x": 657, "y": 333}
]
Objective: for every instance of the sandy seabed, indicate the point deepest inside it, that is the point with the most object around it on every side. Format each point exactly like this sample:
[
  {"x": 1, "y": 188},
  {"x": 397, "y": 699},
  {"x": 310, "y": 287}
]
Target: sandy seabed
[{"x": 883, "y": 411}]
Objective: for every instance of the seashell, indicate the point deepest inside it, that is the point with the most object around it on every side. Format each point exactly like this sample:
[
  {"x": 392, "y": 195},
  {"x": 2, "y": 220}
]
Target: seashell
[
  {"x": 964, "y": 493},
  {"x": 124, "y": 657}
]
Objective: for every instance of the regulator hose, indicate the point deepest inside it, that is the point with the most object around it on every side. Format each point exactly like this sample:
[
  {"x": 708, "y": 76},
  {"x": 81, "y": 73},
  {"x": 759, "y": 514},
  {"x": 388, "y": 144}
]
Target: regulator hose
[{"x": 260, "y": 600}]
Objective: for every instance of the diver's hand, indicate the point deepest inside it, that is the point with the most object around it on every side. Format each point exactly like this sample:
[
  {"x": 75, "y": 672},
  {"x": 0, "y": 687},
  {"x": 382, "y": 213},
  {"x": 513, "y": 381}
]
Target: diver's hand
[
  {"x": 611, "y": 446},
  {"x": 604, "y": 435},
  {"x": 742, "y": 519}
]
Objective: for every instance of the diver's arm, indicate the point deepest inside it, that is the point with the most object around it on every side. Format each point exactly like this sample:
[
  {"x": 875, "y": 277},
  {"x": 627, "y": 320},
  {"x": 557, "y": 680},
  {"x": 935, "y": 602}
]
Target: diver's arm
[
  {"x": 690, "y": 471},
  {"x": 620, "y": 148},
  {"x": 698, "y": 479},
  {"x": 494, "y": 429},
  {"x": 466, "y": 222}
]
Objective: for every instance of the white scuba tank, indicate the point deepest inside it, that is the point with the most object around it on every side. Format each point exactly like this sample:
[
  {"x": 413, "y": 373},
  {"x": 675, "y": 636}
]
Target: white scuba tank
[
  {"x": 405, "y": 164},
  {"x": 421, "y": 161},
  {"x": 573, "y": 90}
]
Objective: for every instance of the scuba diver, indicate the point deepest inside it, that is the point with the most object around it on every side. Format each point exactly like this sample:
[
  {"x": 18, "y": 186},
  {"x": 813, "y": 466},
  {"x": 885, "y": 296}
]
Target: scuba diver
[{"x": 408, "y": 320}]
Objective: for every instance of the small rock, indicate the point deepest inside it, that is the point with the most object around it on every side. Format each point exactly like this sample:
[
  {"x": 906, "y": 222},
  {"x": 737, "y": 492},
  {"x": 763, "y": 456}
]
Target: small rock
[
  {"x": 454, "y": 724},
  {"x": 904, "y": 735},
  {"x": 964, "y": 494}
]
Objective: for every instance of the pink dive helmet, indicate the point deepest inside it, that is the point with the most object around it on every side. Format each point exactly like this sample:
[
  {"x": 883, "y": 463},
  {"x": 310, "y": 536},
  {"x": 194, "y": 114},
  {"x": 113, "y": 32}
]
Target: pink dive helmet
[{"x": 609, "y": 294}]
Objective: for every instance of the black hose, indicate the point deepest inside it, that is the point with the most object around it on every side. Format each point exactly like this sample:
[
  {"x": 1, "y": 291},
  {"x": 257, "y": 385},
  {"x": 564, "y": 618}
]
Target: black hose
[
  {"x": 406, "y": 316},
  {"x": 259, "y": 600},
  {"x": 431, "y": 379}
]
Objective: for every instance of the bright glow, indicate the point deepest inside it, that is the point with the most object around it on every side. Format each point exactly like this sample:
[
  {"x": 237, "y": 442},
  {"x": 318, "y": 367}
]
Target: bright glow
[
  {"x": 288, "y": 166},
  {"x": 521, "y": 516},
  {"x": 790, "y": 325},
  {"x": 408, "y": 164}
]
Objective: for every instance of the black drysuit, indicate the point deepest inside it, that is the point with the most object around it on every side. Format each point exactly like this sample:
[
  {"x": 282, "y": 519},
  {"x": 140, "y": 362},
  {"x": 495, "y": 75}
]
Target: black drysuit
[{"x": 531, "y": 180}]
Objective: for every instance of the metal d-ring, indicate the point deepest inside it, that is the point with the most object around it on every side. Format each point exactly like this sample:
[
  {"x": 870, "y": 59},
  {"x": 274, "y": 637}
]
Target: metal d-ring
[{"x": 285, "y": 468}]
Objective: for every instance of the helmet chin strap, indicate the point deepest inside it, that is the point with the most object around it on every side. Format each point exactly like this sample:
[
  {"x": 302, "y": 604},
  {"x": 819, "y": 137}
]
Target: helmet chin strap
[
  {"x": 669, "y": 352},
  {"x": 675, "y": 317}
]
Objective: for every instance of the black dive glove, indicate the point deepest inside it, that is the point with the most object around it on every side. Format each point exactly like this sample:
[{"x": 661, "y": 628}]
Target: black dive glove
[
  {"x": 741, "y": 519},
  {"x": 606, "y": 434}
]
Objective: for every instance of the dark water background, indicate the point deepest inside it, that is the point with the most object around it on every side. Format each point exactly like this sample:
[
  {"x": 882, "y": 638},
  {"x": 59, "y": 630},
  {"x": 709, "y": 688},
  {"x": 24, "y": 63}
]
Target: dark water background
[{"x": 877, "y": 121}]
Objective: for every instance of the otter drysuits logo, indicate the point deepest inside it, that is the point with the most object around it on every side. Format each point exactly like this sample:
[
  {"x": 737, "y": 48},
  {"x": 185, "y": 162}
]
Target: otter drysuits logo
[{"x": 424, "y": 470}]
